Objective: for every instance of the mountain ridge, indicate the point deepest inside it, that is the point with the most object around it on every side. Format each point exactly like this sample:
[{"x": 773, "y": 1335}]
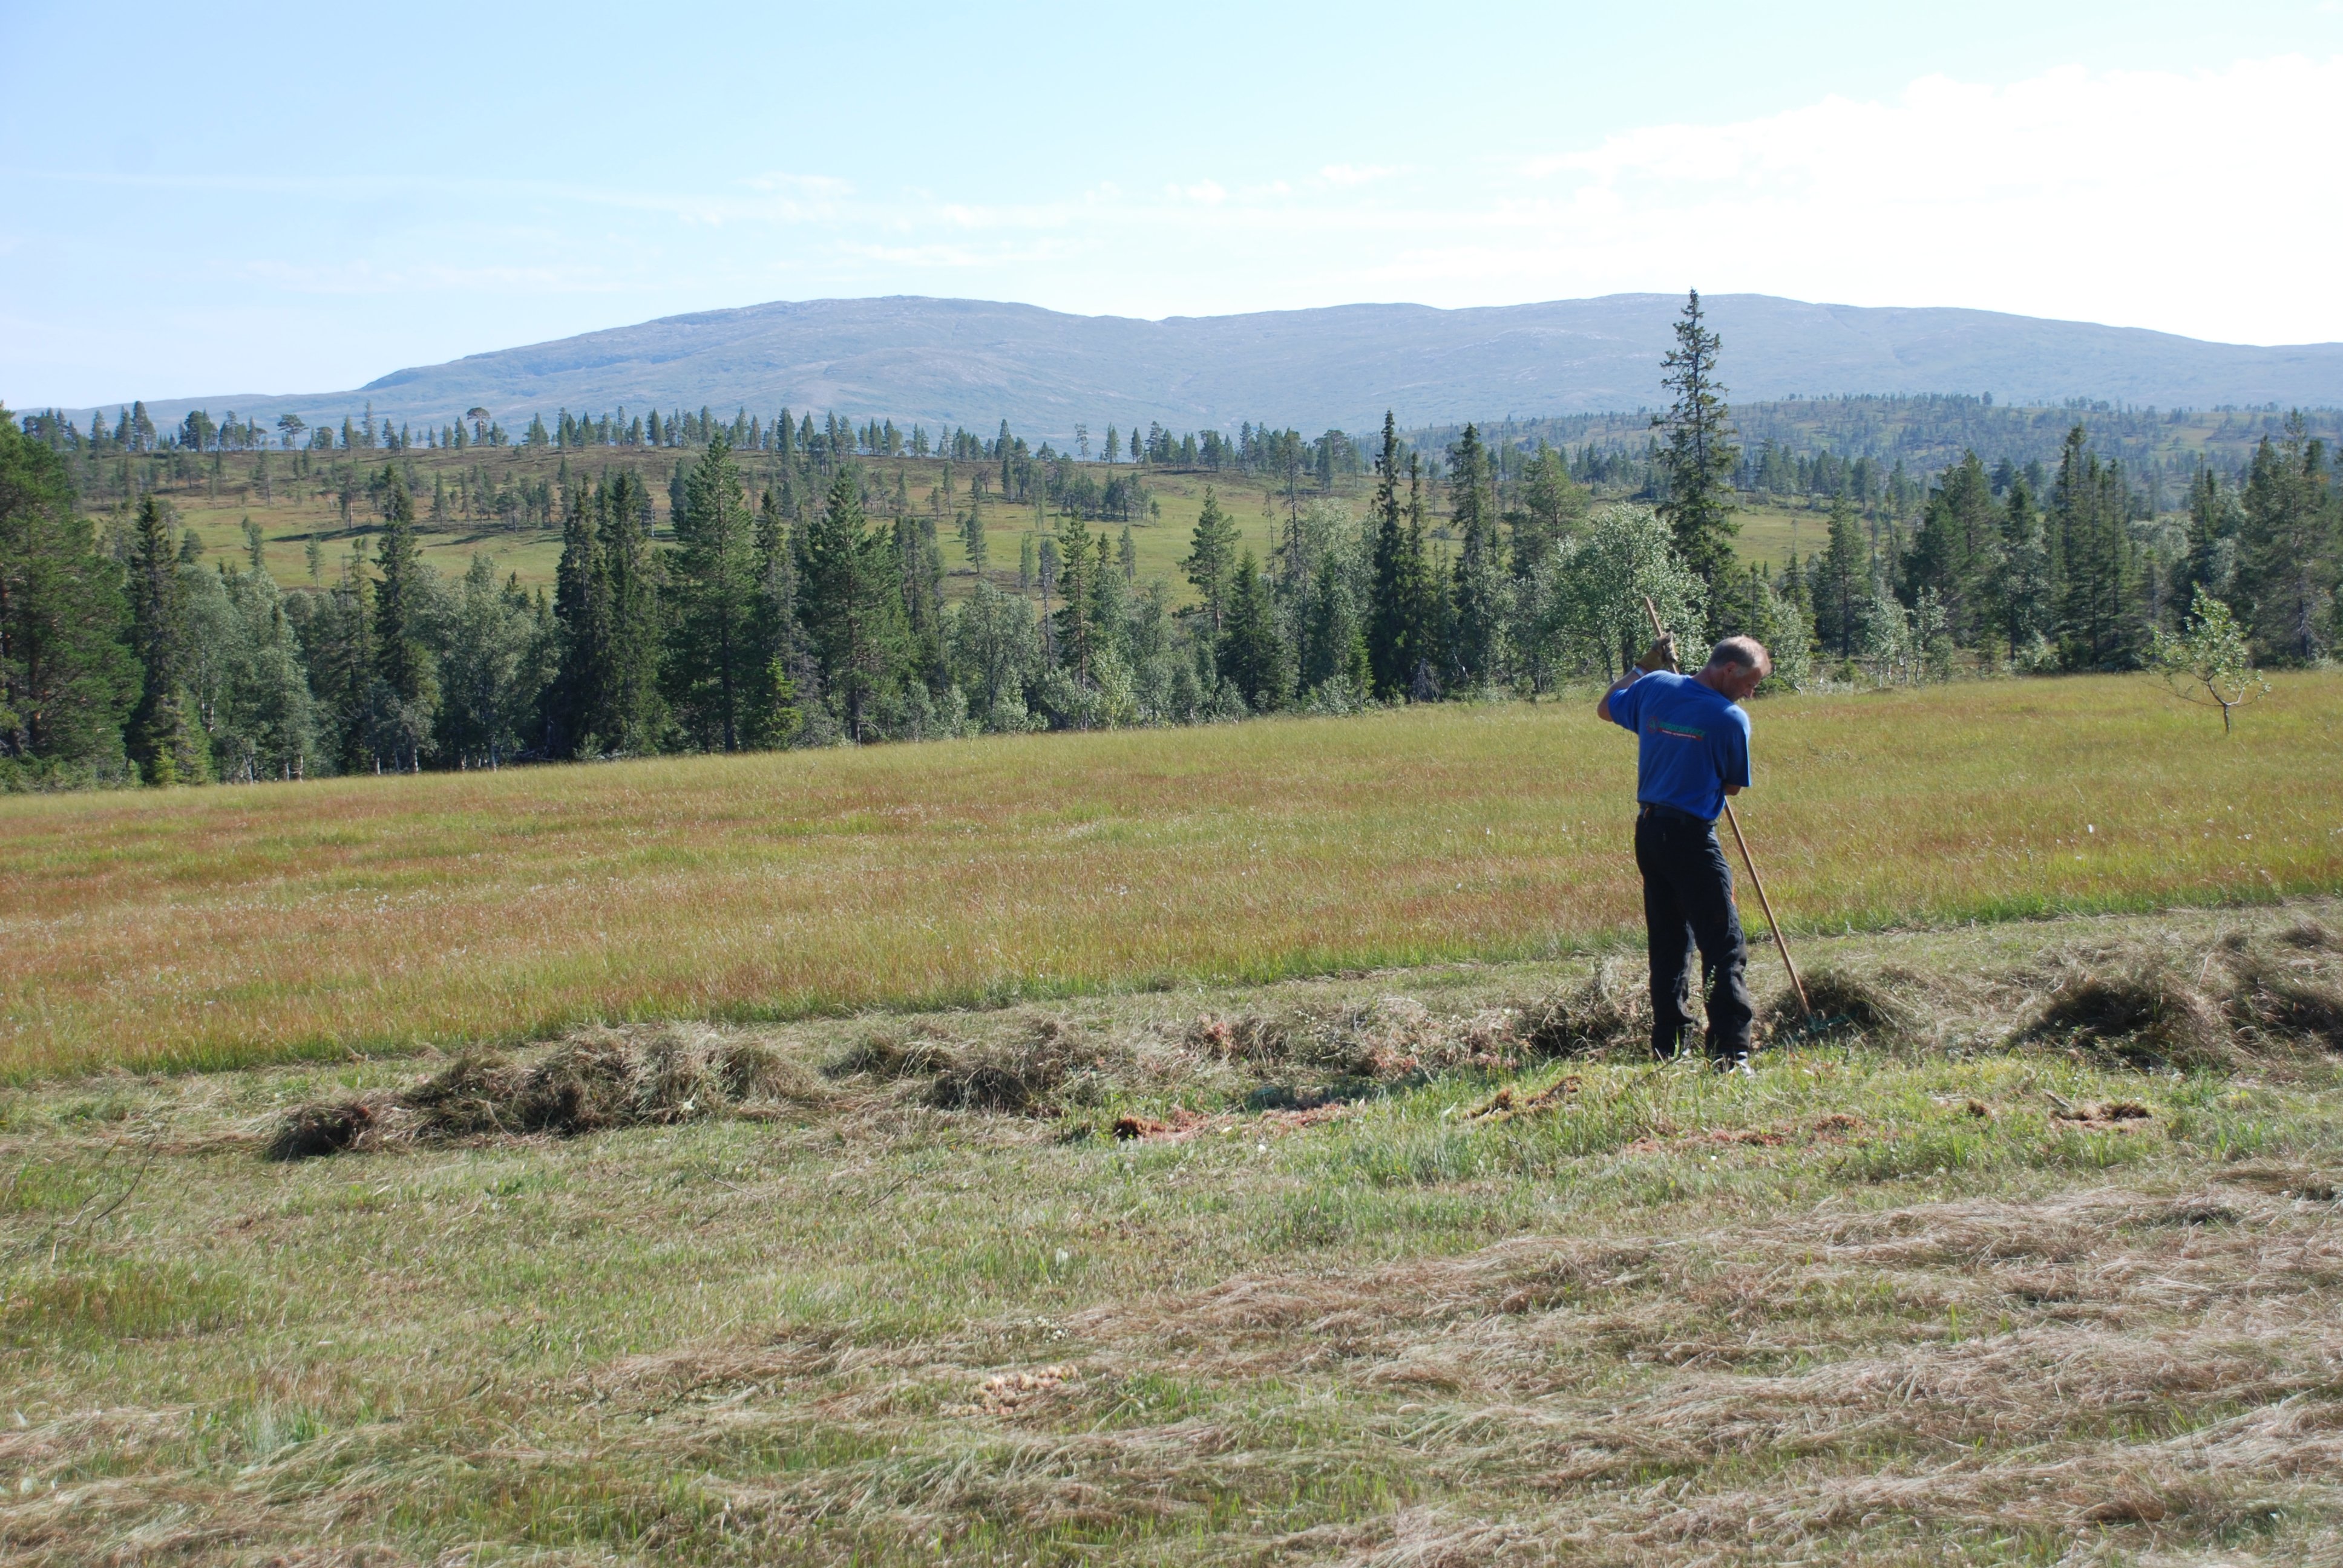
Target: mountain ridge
[{"x": 947, "y": 362}]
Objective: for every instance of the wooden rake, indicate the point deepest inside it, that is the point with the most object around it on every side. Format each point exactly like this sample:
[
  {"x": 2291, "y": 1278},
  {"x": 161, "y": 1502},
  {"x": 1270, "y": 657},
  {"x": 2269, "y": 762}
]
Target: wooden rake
[{"x": 1756, "y": 882}]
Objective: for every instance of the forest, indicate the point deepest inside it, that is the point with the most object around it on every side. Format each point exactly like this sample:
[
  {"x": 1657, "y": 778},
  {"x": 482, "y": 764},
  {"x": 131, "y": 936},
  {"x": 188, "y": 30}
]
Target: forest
[{"x": 787, "y": 593}]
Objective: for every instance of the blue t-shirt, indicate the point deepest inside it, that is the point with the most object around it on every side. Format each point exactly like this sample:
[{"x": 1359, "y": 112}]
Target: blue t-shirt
[{"x": 1692, "y": 742}]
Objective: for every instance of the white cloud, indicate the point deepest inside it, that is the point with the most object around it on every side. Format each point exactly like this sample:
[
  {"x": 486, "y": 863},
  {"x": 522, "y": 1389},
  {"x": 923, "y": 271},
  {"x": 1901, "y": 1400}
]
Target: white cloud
[
  {"x": 1355, "y": 173},
  {"x": 2181, "y": 202}
]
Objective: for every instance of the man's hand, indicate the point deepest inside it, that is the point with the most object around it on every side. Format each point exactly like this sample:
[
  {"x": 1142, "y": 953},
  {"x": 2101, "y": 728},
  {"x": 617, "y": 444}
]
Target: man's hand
[{"x": 1661, "y": 655}]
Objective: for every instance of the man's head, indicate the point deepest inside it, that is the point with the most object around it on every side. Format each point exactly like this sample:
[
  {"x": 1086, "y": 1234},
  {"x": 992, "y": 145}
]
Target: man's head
[{"x": 1735, "y": 666}]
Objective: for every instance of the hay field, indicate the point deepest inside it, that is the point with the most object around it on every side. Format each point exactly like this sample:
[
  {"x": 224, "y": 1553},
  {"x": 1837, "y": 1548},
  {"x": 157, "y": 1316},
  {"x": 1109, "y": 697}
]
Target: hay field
[
  {"x": 1420, "y": 1268},
  {"x": 227, "y": 926}
]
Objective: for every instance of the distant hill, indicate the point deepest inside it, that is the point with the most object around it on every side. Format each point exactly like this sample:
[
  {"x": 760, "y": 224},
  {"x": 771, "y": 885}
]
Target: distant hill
[{"x": 974, "y": 363}]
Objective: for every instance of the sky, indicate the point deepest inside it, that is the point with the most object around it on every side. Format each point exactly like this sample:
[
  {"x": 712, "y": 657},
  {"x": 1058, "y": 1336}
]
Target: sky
[{"x": 191, "y": 205}]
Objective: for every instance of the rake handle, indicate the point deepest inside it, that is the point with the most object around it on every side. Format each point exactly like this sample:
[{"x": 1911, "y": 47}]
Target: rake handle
[{"x": 1756, "y": 882}]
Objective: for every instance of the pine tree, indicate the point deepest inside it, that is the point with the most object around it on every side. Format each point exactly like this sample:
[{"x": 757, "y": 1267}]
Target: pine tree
[
  {"x": 1078, "y": 633},
  {"x": 972, "y": 537},
  {"x": 1212, "y": 560},
  {"x": 1554, "y": 507},
  {"x": 164, "y": 740},
  {"x": 1699, "y": 458}
]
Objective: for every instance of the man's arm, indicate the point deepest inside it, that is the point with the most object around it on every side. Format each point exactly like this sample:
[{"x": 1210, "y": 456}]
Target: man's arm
[{"x": 1661, "y": 655}]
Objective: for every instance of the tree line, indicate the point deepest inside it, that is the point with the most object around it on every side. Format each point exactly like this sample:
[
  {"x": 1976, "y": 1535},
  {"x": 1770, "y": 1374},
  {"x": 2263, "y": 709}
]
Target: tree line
[{"x": 810, "y": 609}]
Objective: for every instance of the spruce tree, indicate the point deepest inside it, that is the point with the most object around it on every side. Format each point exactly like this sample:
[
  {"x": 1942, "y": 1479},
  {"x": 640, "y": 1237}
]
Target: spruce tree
[
  {"x": 403, "y": 666},
  {"x": 712, "y": 663},
  {"x": 1698, "y": 457},
  {"x": 2025, "y": 595},
  {"x": 2210, "y": 563},
  {"x": 1427, "y": 606},
  {"x": 164, "y": 740},
  {"x": 1389, "y": 652},
  {"x": 2090, "y": 514},
  {"x": 2288, "y": 546},
  {"x": 1955, "y": 553},
  {"x": 1839, "y": 579},
  {"x": 636, "y": 711},
  {"x": 66, "y": 679},
  {"x": 773, "y": 717},
  {"x": 579, "y": 718},
  {"x": 851, "y": 603},
  {"x": 1480, "y": 598},
  {"x": 1253, "y": 656},
  {"x": 920, "y": 561}
]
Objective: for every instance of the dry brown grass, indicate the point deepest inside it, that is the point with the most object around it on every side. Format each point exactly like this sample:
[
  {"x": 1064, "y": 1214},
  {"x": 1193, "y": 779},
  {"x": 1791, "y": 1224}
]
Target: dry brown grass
[{"x": 236, "y": 925}]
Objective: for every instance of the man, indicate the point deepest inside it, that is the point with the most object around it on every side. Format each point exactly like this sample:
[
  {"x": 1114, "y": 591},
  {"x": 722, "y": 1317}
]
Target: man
[{"x": 1692, "y": 750}]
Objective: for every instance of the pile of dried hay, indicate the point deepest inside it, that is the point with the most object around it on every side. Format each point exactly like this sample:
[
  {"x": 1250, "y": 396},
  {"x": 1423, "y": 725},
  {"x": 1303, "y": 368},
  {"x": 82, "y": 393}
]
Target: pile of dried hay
[
  {"x": 589, "y": 1083},
  {"x": 1612, "y": 1011},
  {"x": 2151, "y": 1005},
  {"x": 1879, "y": 1006},
  {"x": 2203, "y": 1008},
  {"x": 1056, "y": 1064},
  {"x": 324, "y": 1127},
  {"x": 893, "y": 1053}
]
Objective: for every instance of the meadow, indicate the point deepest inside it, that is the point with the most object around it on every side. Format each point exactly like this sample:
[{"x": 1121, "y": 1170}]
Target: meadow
[
  {"x": 220, "y": 926},
  {"x": 295, "y": 511}
]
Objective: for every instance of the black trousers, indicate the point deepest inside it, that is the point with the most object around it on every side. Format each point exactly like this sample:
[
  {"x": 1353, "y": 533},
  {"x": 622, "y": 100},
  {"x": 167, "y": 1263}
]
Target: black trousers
[{"x": 1687, "y": 905}]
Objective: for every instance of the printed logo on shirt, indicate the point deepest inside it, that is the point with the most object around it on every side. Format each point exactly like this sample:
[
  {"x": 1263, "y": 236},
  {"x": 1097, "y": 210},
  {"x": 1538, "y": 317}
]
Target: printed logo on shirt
[{"x": 1680, "y": 731}]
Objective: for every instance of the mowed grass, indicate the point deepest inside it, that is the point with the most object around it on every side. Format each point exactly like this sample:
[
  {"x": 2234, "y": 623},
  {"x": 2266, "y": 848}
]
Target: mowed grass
[
  {"x": 1907, "y": 1299},
  {"x": 224, "y": 926}
]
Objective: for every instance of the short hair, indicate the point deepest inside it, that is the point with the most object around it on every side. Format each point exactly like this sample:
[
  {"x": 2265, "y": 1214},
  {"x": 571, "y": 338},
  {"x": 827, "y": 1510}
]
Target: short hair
[{"x": 1742, "y": 652}]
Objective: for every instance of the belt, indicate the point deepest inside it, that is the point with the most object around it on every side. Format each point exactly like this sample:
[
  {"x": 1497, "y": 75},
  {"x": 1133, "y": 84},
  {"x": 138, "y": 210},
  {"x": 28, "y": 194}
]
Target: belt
[{"x": 1655, "y": 808}]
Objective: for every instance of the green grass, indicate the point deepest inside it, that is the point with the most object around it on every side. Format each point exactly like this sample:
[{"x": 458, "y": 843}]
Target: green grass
[
  {"x": 1878, "y": 1304},
  {"x": 296, "y": 511}
]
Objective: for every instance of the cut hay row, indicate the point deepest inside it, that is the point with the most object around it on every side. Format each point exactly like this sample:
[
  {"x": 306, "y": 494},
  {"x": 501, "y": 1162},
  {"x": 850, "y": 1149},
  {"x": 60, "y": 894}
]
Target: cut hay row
[{"x": 2255, "y": 998}]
